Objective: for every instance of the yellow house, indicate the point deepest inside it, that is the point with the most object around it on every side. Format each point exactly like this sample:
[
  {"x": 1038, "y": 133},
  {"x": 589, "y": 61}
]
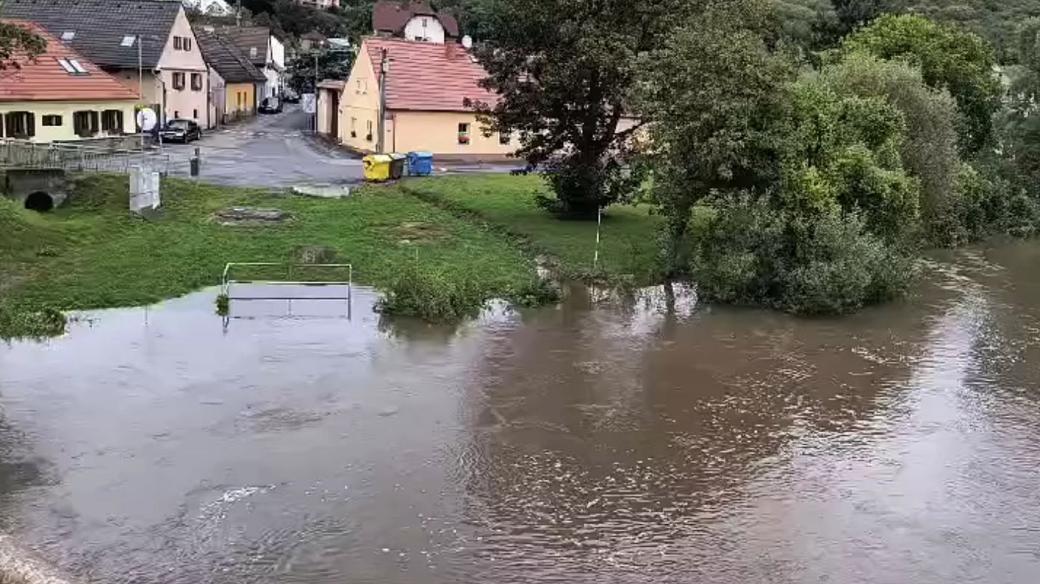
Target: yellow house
[
  {"x": 61, "y": 96},
  {"x": 232, "y": 78},
  {"x": 426, "y": 89}
]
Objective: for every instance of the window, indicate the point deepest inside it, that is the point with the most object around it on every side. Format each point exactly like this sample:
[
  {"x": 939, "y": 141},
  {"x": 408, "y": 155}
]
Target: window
[
  {"x": 178, "y": 81},
  {"x": 128, "y": 41},
  {"x": 112, "y": 121},
  {"x": 85, "y": 123},
  {"x": 195, "y": 114},
  {"x": 252, "y": 52},
  {"x": 463, "y": 133},
  {"x": 505, "y": 137},
  {"x": 68, "y": 35},
  {"x": 196, "y": 81},
  {"x": 181, "y": 43},
  {"x": 238, "y": 100},
  {"x": 369, "y": 136},
  {"x": 71, "y": 66},
  {"x": 353, "y": 127},
  {"x": 20, "y": 125},
  {"x": 52, "y": 121},
  {"x": 176, "y": 114}
]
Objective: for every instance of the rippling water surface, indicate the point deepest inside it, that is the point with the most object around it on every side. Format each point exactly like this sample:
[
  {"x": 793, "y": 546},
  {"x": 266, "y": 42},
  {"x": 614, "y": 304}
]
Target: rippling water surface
[{"x": 653, "y": 442}]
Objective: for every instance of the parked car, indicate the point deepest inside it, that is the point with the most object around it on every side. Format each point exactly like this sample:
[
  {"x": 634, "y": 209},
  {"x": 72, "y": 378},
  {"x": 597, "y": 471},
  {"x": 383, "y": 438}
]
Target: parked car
[
  {"x": 290, "y": 96},
  {"x": 181, "y": 130},
  {"x": 271, "y": 105}
]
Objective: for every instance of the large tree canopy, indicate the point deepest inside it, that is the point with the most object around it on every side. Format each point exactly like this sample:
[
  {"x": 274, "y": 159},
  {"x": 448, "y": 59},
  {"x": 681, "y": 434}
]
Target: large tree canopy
[
  {"x": 712, "y": 94},
  {"x": 564, "y": 71},
  {"x": 950, "y": 58}
]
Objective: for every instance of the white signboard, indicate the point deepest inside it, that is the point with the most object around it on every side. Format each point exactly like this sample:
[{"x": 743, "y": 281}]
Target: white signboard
[{"x": 308, "y": 103}]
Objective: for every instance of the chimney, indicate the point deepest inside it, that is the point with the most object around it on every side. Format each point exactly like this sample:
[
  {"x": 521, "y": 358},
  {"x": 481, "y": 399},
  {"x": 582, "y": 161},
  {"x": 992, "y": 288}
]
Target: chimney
[{"x": 449, "y": 50}]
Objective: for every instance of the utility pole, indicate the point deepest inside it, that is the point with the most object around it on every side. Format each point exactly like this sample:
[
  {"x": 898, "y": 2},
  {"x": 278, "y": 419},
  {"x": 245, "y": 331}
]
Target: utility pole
[
  {"x": 316, "y": 51},
  {"x": 140, "y": 81},
  {"x": 384, "y": 69}
]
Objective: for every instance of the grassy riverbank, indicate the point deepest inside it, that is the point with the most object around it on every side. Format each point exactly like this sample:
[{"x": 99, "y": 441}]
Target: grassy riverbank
[
  {"x": 92, "y": 253},
  {"x": 435, "y": 245},
  {"x": 628, "y": 245}
]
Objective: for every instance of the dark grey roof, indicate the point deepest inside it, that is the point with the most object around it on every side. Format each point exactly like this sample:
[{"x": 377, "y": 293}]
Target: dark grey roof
[
  {"x": 229, "y": 61},
  {"x": 99, "y": 26},
  {"x": 250, "y": 37}
]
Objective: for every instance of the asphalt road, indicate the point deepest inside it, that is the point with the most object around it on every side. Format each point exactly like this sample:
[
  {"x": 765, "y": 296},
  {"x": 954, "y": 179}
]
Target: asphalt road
[{"x": 272, "y": 150}]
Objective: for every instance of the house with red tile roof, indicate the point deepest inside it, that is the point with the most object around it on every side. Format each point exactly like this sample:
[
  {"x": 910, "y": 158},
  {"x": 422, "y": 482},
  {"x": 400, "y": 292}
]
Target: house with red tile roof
[
  {"x": 407, "y": 95},
  {"x": 414, "y": 20},
  {"x": 60, "y": 96}
]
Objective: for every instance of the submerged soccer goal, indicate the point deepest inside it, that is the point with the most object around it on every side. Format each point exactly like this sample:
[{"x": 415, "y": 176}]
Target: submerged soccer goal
[{"x": 292, "y": 283}]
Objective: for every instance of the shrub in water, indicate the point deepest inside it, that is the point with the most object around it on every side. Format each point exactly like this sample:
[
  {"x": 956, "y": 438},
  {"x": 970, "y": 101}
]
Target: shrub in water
[
  {"x": 34, "y": 323},
  {"x": 824, "y": 263},
  {"x": 430, "y": 295}
]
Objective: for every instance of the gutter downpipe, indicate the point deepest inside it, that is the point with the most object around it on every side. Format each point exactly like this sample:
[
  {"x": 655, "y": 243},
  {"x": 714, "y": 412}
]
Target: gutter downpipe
[{"x": 384, "y": 69}]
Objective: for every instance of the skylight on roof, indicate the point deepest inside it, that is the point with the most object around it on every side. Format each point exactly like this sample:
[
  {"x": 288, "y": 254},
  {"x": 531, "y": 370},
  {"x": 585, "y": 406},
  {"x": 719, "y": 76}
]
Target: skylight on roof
[
  {"x": 128, "y": 41},
  {"x": 68, "y": 35},
  {"x": 66, "y": 66},
  {"x": 71, "y": 66}
]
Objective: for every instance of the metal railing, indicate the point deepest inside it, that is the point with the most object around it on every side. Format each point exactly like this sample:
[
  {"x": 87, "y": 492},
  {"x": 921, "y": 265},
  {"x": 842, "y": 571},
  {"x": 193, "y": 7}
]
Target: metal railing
[
  {"x": 77, "y": 158},
  {"x": 226, "y": 281}
]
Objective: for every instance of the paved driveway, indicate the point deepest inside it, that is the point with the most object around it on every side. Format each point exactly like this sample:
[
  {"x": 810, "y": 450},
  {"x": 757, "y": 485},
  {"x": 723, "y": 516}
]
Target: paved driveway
[{"x": 268, "y": 151}]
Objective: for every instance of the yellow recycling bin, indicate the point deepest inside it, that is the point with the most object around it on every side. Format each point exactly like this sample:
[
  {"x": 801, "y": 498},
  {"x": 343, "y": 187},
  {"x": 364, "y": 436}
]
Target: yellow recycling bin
[{"x": 377, "y": 167}]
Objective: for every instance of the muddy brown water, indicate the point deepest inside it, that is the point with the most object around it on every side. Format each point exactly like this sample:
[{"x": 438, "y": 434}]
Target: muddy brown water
[{"x": 655, "y": 442}]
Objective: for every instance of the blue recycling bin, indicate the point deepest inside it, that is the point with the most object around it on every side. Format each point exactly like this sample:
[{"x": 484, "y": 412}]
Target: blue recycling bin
[{"x": 420, "y": 163}]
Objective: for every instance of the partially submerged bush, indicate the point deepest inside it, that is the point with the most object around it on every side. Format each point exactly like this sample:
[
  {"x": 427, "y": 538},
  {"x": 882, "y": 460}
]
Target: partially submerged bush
[
  {"x": 432, "y": 295},
  {"x": 807, "y": 264},
  {"x": 17, "y": 322}
]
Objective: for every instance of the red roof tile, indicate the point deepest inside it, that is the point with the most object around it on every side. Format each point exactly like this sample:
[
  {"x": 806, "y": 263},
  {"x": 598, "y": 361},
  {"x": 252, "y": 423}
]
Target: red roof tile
[
  {"x": 44, "y": 79},
  {"x": 428, "y": 76}
]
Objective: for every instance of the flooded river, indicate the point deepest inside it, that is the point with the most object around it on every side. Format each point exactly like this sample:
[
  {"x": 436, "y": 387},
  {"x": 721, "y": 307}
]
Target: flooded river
[{"x": 660, "y": 442}]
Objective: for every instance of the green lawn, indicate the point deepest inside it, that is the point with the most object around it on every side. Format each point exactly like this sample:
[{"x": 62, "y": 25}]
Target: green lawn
[
  {"x": 93, "y": 253},
  {"x": 628, "y": 244}
]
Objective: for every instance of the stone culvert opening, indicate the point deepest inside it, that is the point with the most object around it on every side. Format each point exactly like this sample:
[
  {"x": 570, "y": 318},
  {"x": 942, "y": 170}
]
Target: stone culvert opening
[{"x": 39, "y": 201}]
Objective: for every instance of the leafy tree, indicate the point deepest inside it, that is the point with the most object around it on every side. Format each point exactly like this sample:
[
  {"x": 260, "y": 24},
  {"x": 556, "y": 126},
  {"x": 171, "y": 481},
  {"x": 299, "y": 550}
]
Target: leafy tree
[
  {"x": 852, "y": 14},
  {"x": 850, "y": 146},
  {"x": 564, "y": 71},
  {"x": 330, "y": 65},
  {"x": 809, "y": 24},
  {"x": 950, "y": 58},
  {"x": 929, "y": 152},
  {"x": 17, "y": 39},
  {"x": 712, "y": 95}
]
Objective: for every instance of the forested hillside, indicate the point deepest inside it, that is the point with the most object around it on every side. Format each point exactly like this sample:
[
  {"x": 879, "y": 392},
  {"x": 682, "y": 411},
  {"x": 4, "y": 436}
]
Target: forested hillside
[{"x": 995, "y": 20}]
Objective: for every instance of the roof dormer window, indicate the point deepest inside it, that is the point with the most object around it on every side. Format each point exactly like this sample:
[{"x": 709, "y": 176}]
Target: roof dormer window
[{"x": 68, "y": 35}]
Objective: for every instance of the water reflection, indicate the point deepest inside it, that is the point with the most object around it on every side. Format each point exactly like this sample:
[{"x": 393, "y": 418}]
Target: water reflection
[{"x": 645, "y": 441}]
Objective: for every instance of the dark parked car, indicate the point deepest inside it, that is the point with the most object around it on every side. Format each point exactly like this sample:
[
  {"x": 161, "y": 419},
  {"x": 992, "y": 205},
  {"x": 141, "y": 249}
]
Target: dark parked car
[
  {"x": 180, "y": 130},
  {"x": 271, "y": 105}
]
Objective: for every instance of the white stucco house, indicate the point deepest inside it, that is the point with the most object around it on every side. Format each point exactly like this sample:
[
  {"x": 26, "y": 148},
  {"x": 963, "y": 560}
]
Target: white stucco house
[{"x": 415, "y": 21}]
